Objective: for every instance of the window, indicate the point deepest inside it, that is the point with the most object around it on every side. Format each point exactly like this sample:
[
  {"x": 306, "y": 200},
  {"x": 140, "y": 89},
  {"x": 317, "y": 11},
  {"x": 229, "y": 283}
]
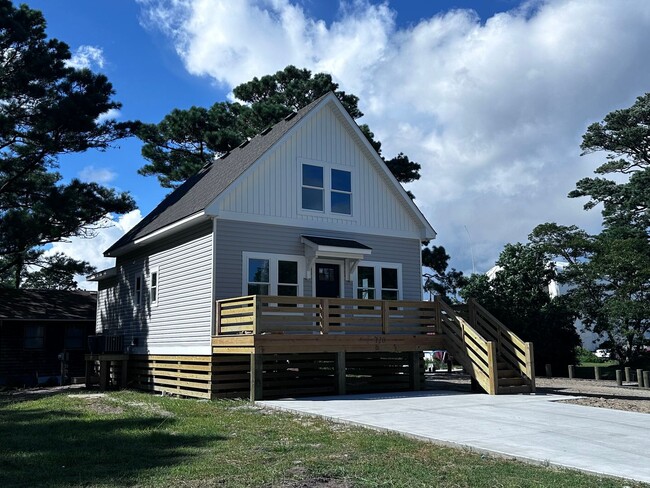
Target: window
[
  {"x": 137, "y": 289},
  {"x": 258, "y": 276},
  {"x": 312, "y": 187},
  {"x": 73, "y": 338},
  {"x": 341, "y": 196},
  {"x": 366, "y": 283},
  {"x": 326, "y": 189},
  {"x": 34, "y": 337},
  {"x": 153, "y": 291},
  {"x": 379, "y": 281},
  {"x": 272, "y": 274}
]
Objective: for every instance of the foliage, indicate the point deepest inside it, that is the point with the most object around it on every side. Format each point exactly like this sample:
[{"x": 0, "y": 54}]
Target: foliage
[
  {"x": 586, "y": 356},
  {"x": 624, "y": 136},
  {"x": 440, "y": 281},
  {"x": 185, "y": 140},
  {"x": 135, "y": 439},
  {"x": 47, "y": 109},
  {"x": 518, "y": 296}
]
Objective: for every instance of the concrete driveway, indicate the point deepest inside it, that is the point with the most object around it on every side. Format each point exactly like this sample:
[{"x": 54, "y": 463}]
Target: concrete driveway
[{"x": 528, "y": 427}]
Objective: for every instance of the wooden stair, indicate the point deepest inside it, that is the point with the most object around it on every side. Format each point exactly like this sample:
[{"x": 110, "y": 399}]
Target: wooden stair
[{"x": 499, "y": 361}]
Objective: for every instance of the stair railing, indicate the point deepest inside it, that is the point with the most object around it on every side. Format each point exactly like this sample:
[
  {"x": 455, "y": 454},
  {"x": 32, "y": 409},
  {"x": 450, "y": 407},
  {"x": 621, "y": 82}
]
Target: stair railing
[
  {"x": 476, "y": 354},
  {"x": 510, "y": 348}
]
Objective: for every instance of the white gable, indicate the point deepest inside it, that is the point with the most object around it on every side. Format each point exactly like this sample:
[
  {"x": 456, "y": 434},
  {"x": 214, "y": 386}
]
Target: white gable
[{"x": 271, "y": 190}]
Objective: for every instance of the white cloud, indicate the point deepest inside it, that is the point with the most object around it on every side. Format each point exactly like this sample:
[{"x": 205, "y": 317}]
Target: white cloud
[
  {"x": 110, "y": 114},
  {"x": 97, "y": 175},
  {"x": 492, "y": 110},
  {"x": 92, "y": 250},
  {"x": 90, "y": 57}
]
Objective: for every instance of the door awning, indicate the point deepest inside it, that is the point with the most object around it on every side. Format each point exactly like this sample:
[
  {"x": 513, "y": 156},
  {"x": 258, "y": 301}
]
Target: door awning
[{"x": 328, "y": 247}]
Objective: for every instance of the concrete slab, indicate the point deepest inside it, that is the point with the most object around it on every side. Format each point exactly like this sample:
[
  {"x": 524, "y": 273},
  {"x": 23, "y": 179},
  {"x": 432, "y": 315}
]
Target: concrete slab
[{"x": 528, "y": 427}]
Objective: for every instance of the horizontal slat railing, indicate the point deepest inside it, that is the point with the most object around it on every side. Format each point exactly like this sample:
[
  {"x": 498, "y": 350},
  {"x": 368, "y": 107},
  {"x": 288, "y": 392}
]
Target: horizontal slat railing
[
  {"x": 510, "y": 348},
  {"x": 311, "y": 315},
  {"x": 469, "y": 348}
]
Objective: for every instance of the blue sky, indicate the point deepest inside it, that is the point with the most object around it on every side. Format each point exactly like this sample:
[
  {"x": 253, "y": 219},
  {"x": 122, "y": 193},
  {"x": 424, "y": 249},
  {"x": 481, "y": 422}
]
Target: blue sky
[{"x": 491, "y": 97}]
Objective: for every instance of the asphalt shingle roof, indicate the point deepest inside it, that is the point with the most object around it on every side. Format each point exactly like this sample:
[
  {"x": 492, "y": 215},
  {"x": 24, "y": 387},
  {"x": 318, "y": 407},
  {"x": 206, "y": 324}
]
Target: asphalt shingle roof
[
  {"x": 47, "y": 304},
  {"x": 198, "y": 191}
]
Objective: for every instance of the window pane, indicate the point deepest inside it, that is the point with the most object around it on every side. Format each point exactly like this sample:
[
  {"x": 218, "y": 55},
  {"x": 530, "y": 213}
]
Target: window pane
[
  {"x": 34, "y": 337},
  {"x": 341, "y": 203},
  {"x": 366, "y": 294},
  {"x": 154, "y": 279},
  {"x": 389, "y": 278},
  {"x": 312, "y": 175},
  {"x": 389, "y": 294},
  {"x": 312, "y": 199},
  {"x": 366, "y": 277},
  {"x": 258, "y": 270},
  {"x": 288, "y": 290},
  {"x": 73, "y": 338},
  {"x": 258, "y": 289},
  {"x": 341, "y": 180},
  {"x": 287, "y": 272}
]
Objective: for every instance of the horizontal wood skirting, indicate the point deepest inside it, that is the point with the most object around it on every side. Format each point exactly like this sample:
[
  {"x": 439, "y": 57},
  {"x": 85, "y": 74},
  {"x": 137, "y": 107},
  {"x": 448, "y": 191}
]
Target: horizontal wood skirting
[{"x": 189, "y": 376}]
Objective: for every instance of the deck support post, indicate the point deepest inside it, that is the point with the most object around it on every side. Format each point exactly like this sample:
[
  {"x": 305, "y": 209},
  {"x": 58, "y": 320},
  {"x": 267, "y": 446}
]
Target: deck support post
[
  {"x": 414, "y": 366},
  {"x": 339, "y": 370},
  {"x": 257, "y": 369},
  {"x": 493, "y": 368}
]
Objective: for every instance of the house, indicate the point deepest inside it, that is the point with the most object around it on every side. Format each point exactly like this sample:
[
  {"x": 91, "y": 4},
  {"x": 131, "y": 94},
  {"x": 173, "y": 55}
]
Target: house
[
  {"x": 36, "y": 326},
  {"x": 291, "y": 265}
]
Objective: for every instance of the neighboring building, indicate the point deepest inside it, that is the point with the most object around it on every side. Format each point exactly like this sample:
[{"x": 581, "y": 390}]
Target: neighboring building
[
  {"x": 38, "y": 325},
  {"x": 306, "y": 210},
  {"x": 589, "y": 340}
]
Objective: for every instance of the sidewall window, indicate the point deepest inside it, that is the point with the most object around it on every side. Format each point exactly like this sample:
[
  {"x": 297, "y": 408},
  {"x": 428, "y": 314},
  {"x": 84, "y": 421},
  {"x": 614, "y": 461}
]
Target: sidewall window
[
  {"x": 378, "y": 281},
  {"x": 272, "y": 274}
]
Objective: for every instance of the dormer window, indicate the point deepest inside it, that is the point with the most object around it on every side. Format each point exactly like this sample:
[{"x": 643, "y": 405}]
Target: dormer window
[{"x": 326, "y": 189}]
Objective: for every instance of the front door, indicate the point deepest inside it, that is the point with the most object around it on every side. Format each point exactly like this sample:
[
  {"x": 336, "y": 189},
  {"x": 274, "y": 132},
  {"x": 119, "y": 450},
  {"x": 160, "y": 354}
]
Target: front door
[{"x": 328, "y": 280}]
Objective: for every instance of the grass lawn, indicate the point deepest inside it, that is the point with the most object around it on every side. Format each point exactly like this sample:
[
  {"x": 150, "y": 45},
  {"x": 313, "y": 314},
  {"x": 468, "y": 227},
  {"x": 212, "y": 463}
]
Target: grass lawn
[{"x": 136, "y": 439}]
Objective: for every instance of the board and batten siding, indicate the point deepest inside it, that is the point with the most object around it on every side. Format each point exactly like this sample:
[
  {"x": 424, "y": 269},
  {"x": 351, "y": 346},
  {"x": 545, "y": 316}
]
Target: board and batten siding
[
  {"x": 271, "y": 189},
  {"x": 180, "y": 321},
  {"x": 233, "y": 238}
]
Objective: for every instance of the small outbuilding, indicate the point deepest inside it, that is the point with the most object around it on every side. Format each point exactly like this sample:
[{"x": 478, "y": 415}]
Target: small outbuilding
[{"x": 44, "y": 335}]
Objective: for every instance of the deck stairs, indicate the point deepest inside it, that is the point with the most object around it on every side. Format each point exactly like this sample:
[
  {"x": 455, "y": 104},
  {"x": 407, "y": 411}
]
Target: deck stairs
[{"x": 499, "y": 361}]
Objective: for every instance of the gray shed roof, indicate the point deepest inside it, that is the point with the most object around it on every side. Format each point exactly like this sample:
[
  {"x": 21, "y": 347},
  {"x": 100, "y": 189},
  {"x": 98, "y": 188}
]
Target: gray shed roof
[
  {"x": 38, "y": 305},
  {"x": 198, "y": 191}
]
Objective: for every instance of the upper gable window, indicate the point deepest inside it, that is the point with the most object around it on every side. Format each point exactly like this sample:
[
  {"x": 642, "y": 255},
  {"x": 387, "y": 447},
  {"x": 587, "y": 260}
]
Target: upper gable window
[
  {"x": 326, "y": 190},
  {"x": 341, "y": 196},
  {"x": 313, "y": 187}
]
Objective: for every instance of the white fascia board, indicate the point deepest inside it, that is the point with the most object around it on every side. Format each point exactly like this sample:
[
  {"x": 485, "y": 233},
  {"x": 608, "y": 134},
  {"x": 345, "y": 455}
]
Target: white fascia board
[
  {"x": 428, "y": 231},
  {"x": 160, "y": 233},
  {"x": 103, "y": 274}
]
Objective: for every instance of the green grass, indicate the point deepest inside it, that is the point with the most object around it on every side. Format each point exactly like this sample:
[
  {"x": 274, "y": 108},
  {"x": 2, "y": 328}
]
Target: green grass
[{"x": 135, "y": 439}]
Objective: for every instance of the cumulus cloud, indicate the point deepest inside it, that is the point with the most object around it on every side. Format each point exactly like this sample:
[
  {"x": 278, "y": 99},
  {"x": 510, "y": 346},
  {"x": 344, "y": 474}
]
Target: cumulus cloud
[
  {"x": 97, "y": 175},
  {"x": 91, "y": 57},
  {"x": 493, "y": 109},
  {"x": 92, "y": 250},
  {"x": 110, "y": 114}
]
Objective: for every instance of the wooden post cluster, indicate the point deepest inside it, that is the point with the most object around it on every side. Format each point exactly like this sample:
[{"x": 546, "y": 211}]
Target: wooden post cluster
[
  {"x": 597, "y": 372},
  {"x": 646, "y": 380},
  {"x": 549, "y": 370},
  {"x": 639, "y": 378},
  {"x": 628, "y": 374},
  {"x": 619, "y": 377}
]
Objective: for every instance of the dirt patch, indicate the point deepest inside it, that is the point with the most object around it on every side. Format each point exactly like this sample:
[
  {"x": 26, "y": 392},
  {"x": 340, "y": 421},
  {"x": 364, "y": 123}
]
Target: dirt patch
[{"x": 602, "y": 394}]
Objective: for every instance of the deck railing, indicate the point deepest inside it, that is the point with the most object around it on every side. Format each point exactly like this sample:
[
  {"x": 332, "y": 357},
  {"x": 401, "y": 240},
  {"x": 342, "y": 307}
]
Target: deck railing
[{"x": 258, "y": 314}]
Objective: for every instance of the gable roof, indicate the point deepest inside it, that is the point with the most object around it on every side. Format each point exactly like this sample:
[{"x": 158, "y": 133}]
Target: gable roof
[
  {"x": 190, "y": 199},
  {"x": 198, "y": 191},
  {"x": 47, "y": 305}
]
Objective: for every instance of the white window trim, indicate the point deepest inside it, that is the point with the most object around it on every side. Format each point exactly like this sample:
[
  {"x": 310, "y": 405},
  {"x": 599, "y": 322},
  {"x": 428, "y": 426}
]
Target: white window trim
[
  {"x": 377, "y": 265},
  {"x": 327, "y": 190},
  {"x": 273, "y": 270},
  {"x": 156, "y": 270},
  {"x": 138, "y": 295}
]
